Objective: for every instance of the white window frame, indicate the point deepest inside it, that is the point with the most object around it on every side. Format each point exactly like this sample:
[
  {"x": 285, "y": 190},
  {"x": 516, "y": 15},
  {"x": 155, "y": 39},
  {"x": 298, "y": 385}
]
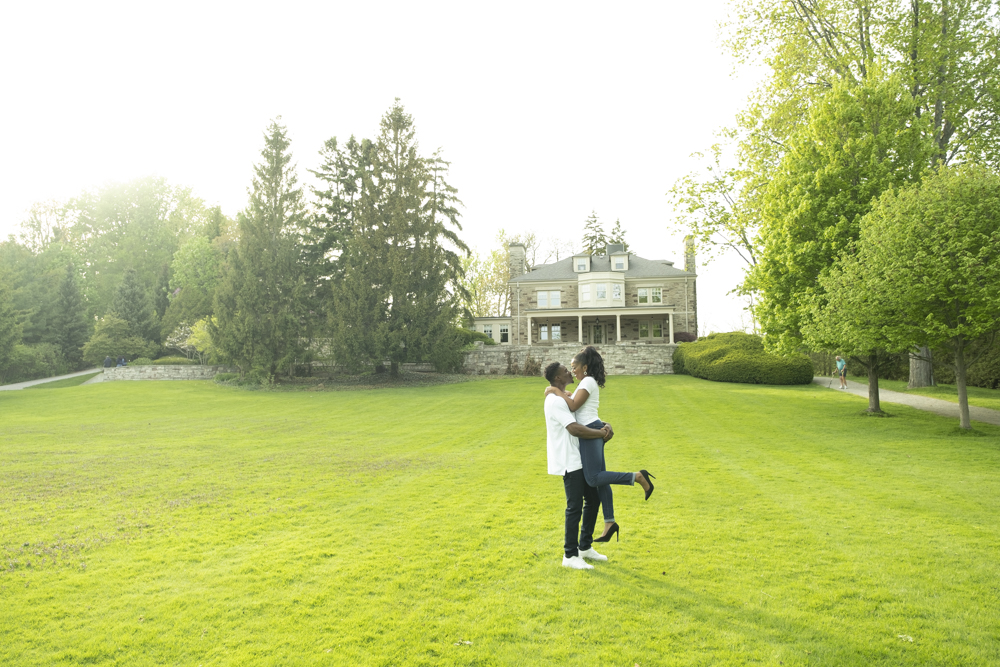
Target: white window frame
[
  {"x": 601, "y": 291},
  {"x": 584, "y": 293},
  {"x": 488, "y": 330},
  {"x": 555, "y": 300},
  {"x": 556, "y": 330},
  {"x": 543, "y": 332},
  {"x": 643, "y": 295},
  {"x": 656, "y": 295},
  {"x": 619, "y": 263},
  {"x": 651, "y": 326},
  {"x": 643, "y": 326},
  {"x": 616, "y": 292},
  {"x": 581, "y": 265},
  {"x": 542, "y": 299},
  {"x": 504, "y": 333}
]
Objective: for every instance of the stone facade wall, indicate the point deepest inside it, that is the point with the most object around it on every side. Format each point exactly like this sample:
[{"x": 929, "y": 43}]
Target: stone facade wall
[
  {"x": 622, "y": 359},
  {"x": 164, "y": 372}
]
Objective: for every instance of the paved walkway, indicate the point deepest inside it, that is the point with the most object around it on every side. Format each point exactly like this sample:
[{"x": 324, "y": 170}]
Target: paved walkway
[
  {"x": 31, "y": 383},
  {"x": 935, "y": 405}
]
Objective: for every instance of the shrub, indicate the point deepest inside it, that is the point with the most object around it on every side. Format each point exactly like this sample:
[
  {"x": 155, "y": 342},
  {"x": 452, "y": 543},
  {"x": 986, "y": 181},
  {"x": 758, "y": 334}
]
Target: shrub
[
  {"x": 113, "y": 338},
  {"x": 33, "y": 362},
  {"x": 173, "y": 361},
  {"x": 226, "y": 377},
  {"x": 740, "y": 357},
  {"x": 684, "y": 337},
  {"x": 468, "y": 337},
  {"x": 141, "y": 361}
]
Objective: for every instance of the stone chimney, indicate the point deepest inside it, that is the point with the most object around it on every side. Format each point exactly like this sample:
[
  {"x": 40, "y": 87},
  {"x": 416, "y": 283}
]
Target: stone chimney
[
  {"x": 689, "y": 263},
  {"x": 517, "y": 260}
]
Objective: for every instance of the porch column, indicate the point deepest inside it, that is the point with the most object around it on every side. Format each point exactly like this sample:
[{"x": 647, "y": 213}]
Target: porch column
[
  {"x": 529, "y": 330},
  {"x": 670, "y": 322},
  {"x": 579, "y": 331},
  {"x": 618, "y": 326}
]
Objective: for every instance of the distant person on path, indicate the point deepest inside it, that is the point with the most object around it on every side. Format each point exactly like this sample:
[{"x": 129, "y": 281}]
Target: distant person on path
[
  {"x": 107, "y": 361},
  {"x": 588, "y": 369},
  {"x": 842, "y": 372},
  {"x": 121, "y": 361},
  {"x": 563, "y": 450}
]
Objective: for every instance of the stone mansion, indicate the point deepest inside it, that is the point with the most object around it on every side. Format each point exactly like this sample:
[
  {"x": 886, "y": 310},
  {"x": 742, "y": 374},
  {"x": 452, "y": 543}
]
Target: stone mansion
[{"x": 616, "y": 298}]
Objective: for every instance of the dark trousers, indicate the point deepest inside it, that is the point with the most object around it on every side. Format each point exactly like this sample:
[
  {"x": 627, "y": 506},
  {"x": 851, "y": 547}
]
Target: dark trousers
[
  {"x": 580, "y": 499},
  {"x": 596, "y": 474}
]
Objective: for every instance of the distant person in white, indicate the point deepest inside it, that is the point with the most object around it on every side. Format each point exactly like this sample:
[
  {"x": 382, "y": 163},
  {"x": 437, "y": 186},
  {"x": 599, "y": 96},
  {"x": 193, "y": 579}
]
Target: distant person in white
[{"x": 563, "y": 447}]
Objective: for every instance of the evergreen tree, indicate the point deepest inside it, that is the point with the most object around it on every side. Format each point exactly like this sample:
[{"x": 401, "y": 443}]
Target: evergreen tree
[
  {"x": 260, "y": 296},
  {"x": 10, "y": 330},
  {"x": 594, "y": 238},
  {"x": 131, "y": 303},
  {"x": 617, "y": 235},
  {"x": 400, "y": 293},
  {"x": 70, "y": 327}
]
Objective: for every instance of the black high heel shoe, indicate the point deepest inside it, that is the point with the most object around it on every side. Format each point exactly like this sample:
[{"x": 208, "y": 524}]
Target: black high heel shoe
[
  {"x": 606, "y": 537},
  {"x": 645, "y": 473}
]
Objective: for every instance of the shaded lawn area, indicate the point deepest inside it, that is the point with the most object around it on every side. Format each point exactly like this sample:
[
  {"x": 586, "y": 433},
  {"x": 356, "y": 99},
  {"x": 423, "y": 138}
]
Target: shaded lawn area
[
  {"x": 188, "y": 523},
  {"x": 978, "y": 396}
]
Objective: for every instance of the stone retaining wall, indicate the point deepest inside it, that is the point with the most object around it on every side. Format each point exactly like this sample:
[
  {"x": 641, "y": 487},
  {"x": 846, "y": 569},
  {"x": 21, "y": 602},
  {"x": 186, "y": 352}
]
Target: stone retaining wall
[
  {"x": 164, "y": 372},
  {"x": 627, "y": 359}
]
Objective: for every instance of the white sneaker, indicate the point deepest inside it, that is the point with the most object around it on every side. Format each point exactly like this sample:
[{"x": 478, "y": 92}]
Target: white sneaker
[
  {"x": 577, "y": 563},
  {"x": 590, "y": 554}
]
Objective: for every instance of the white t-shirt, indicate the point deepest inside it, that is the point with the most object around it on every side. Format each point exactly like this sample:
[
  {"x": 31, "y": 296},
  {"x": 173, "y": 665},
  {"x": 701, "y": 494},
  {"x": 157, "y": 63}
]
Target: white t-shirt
[
  {"x": 588, "y": 411},
  {"x": 563, "y": 449}
]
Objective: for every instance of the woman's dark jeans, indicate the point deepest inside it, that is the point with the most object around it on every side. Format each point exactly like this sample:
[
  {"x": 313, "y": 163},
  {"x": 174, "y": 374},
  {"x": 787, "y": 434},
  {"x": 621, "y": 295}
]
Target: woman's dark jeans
[{"x": 592, "y": 455}]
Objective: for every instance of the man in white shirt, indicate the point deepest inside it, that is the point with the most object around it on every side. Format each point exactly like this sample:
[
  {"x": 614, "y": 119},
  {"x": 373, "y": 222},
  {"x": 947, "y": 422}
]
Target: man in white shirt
[{"x": 563, "y": 447}]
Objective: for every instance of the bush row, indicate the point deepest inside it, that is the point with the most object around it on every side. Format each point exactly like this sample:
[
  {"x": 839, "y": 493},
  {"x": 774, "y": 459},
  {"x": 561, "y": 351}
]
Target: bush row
[{"x": 740, "y": 357}]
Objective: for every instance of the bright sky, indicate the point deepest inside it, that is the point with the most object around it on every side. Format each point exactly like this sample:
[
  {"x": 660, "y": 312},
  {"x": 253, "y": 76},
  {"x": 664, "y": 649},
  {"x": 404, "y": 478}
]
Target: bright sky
[{"x": 546, "y": 110}]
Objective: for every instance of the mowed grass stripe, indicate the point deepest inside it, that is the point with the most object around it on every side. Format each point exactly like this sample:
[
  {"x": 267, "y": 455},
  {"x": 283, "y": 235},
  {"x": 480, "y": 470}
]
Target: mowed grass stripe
[{"x": 189, "y": 523}]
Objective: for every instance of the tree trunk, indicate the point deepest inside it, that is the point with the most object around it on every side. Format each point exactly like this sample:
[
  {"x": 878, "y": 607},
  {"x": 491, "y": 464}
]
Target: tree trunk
[
  {"x": 873, "y": 403},
  {"x": 921, "y": 369},
  {"x": 963, "y": 394}
]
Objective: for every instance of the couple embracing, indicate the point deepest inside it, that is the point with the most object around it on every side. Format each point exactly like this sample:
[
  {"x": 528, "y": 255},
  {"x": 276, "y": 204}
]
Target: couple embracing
[{"x": 575, "y": 446}]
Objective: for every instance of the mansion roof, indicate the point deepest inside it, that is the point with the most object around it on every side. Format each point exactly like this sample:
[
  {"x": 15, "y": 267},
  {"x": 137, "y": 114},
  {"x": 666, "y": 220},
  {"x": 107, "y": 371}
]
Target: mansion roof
[{"x": 638, "y": 268}]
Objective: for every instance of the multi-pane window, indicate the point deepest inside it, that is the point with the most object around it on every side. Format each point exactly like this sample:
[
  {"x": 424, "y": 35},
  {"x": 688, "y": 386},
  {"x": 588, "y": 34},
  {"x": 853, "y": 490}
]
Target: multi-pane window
[
  {"x": 650, "y": 295},
  {"x": 556, "y": 332},
  {"x": 619, "y": 263},
  {"x": 543, "y": 332},
  {"x": 488, "y": 330},
  {"x": 652, "y": 329},
  {"x": 602, "y": 291},
  {"x": 504, "y": 333},
  {"x": 584, "y": 292},
  {"x": 581, "y": 265},
  {"x": 616, "y": 292},
  {"x": 548, "y": 299}
]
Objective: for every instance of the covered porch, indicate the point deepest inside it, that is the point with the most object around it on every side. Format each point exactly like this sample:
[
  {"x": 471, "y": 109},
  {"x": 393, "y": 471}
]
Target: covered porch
[{"x": 601, "y": 326}]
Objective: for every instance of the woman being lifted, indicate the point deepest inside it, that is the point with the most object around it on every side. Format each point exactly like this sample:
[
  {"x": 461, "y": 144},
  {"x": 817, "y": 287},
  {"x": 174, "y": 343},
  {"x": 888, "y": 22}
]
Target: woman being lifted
[{"x": 588, "y": 369}]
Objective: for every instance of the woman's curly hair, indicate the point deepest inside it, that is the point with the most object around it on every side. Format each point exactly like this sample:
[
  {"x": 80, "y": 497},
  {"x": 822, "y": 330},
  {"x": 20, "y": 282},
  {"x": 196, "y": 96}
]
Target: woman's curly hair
[{"x": 594, "y": 362}]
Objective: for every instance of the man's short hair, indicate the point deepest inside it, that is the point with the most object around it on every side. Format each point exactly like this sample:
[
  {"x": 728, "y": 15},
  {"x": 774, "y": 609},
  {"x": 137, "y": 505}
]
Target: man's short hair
[{"x": 551, "y": 370}]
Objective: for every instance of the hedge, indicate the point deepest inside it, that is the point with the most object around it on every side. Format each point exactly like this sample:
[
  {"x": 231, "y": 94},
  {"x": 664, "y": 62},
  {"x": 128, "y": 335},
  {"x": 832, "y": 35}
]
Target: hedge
[{"x": 739, "y": 357}]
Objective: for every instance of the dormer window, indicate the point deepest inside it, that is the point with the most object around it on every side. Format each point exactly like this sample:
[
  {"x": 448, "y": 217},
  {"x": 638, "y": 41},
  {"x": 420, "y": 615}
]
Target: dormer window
[
  {"x": 581, "y": 263},
  {"x": 619, "y": 263}
]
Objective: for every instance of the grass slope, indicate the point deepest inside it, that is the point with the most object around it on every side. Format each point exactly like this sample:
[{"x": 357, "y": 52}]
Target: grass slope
[
  {"x": 188, "y": 523},
  {"x": 68, "y": 382}
]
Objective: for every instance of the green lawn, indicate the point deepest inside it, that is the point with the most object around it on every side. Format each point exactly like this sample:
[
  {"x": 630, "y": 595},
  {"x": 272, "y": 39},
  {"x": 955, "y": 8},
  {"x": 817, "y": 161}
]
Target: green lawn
[
  {"x": 984, "y": 398},
  {"x": 68, "y": 382},
  {"x": 185, "y": 523}
]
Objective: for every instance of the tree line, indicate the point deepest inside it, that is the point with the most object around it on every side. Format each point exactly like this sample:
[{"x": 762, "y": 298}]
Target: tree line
[
  {"x": 859, "y": 184},
  {"x": 367, "y": 268}
]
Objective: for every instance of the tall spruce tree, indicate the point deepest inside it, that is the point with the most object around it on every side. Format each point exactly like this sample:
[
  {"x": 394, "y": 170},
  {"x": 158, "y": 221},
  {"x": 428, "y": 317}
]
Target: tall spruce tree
[
  {"x": 400, "y": 293},
  {"x": 132, "y": 304},
  {"x": 617, "y": 235},
  {"x": 70, "y": 326},
  {"x": 594, "y": 238},
  {"x": 259, "y": 300}
]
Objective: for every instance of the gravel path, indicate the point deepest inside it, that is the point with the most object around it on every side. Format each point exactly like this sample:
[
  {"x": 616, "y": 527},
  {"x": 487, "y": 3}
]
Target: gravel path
[
  {"x": 935, "y": 405},
  {"x": 30, "y": 383}
]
